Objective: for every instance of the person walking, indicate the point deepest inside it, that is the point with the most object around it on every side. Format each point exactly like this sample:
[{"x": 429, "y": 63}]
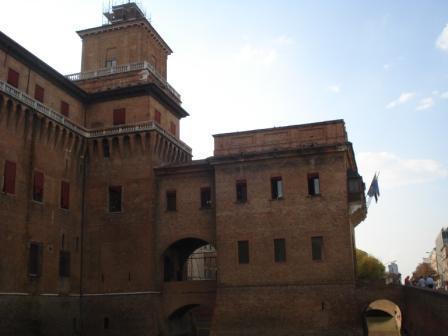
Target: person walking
[{"x": 421, "y": 282}]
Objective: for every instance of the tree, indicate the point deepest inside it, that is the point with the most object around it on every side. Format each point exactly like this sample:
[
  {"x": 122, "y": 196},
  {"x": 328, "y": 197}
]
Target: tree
[
  {"x": 422, "y": 270},
  {"x": 368, "y": 267}
]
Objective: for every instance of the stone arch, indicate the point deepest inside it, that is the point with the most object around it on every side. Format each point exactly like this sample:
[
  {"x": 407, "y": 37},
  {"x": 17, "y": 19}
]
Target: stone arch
[
  {"x": 382, "y": 315},
  {"x": 176, "y": 265},
  {"x": 190, "y": 320}
]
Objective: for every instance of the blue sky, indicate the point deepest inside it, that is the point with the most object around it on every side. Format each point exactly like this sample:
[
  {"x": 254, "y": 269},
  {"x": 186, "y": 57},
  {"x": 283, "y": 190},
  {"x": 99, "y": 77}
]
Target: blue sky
[{"x": 382, "y": 66}]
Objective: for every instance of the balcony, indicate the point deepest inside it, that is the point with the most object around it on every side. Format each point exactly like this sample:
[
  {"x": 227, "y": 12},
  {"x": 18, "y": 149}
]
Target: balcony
[
  {"x": 118, "y": 69},
  {"x": 82, "y": 131}
]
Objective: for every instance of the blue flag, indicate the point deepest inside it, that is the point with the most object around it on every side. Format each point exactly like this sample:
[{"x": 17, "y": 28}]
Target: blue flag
[{"x": 374, "y": 190}]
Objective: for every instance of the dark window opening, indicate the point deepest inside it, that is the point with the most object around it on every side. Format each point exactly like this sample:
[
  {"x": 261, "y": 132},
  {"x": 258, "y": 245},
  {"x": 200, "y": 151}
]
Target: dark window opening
[
  {"x": 313, "y": 184},
  {"x": 171, "y": 200},
  {"x": 77, "y": 244},
  {"x": 13, "y": 78},
  {"x": 173, "y": 128},
  {"x": 158, "y": 117},
  {"x": 206, "y": 198},
  {"x": 279, "y": 250},
  {"x": 63, "y": 241},
  {"x": 115, "y": 199},
  {"x": 317, "y": 247},
  {"x": 243, "y": 251},
  {"x": 119, "y": 116},
  {"x": 65, "y": 195},
  {"x": 39, "y": 93},
  {"x": 38, "y": 187},
  {"x": 106, "y": 150},
  {"x": 241, "y": 191},
  {"x": 65, "y": 108},
  {"x": 9, "y": 178},
  {"x": 276, "y": 187},
  {"x": 35, "y": 259},
  {"x": 64, "y": 264},
  {"x": 106, "y": 323}
]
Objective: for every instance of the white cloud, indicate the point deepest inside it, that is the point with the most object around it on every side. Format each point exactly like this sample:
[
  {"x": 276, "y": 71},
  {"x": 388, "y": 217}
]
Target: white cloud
[
  {"x": 396, "y": 171},
  {"x": 425, "y": 104},
  {"x": 403, "y": 98},
  {"x": 444, "y": 95},
  {"x": 335, "y": 88},
  {"x": 261, "y": 56},
  {"x": 442, "y": 40},
  {"x": 386, "y": 66},
  {"x": 285, "y": 40}
]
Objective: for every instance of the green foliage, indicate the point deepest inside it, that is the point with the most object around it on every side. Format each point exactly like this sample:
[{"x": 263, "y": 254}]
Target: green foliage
[{"x": 368, "y": 267}]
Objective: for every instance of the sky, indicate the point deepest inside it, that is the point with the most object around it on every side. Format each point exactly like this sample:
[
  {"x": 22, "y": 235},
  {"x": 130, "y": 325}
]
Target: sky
[{"x": 382, "y": 66}]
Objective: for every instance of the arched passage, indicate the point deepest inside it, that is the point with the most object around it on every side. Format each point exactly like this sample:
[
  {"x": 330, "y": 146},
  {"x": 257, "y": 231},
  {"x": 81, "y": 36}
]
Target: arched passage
[
  {"x": 189, "y": 259},
  {"x": 382, "y": 318},
  {"x": 191, "y": 320}
]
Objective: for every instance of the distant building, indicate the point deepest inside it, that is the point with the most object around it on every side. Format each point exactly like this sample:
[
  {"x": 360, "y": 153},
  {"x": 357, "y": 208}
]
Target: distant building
[
  {"x": 441, "y": 252},
  {"x": 393, "y": 268}
]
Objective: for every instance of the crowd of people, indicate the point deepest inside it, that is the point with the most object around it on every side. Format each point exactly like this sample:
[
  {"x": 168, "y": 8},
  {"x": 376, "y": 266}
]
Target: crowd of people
[{"x": 422, "y": 282}]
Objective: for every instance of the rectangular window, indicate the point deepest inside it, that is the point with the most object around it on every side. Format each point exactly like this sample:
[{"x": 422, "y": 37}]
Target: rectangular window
[
  {"x": 206, "y": 197},
  {"x": 111, "y": 63},
  {"x": 158, "y": 117},
  {"x": 39, "y": 93},
  {"x": 243, "y": 251},
  {"x": 276, "y": 187},
  {"x": 9, "y": 178},
  {"x": 106, "y": 150},
  {"x": 173, "y": 128},
  {"x": 317, "y": 244},
  {"x": 65, "y": 195},
  {"x": 115, "y": 199},
  {"x": 313, "y": 184},
  {"x": 64, "y": 264},
  {"x": 279, "y": 250},
  {"x": 13, "y": 78},
  {"x": 241, "y": 191},
  {"x": 35, "y": 259},
  {"x": 38, "y": 186},
  {"x": 171, "y": 200},
  {"x": 65, "y": 108},
  {"x": 120, "y": 116}
]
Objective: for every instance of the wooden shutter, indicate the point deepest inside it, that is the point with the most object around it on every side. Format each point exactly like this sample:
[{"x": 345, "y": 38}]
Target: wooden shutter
[
  {"x": 13, "y": 78},
  {"x": 39, "y": 93},
  {"x": 9, "y": 179},
  {"x": 65, "y": 108},
  {"x": 65, "y": 195},
  {"x": 158, "y": 117},
  {"x": 119, "y": 116}
]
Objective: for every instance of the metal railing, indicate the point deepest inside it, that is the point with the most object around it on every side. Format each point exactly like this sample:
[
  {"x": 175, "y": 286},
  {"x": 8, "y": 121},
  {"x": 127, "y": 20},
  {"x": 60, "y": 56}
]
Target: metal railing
[
  {"x": 122, "y": 69},
  {"x": 88, "y": 133}
]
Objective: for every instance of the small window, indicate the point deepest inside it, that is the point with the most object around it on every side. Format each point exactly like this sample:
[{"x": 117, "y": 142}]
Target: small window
[
  {"x": 13, "y": 78},
  {"x": 35, "y": 259},
  {"x": 38, "y": 186},
  {"x": 279, "y": 250},
  {"x": 64, "y": 264},
  {"x": 313, "y": 184},
  {"x": 206, "y": 197},
  {"x": 39, "y": 93},
  {"x": 111, "y": 63},
  {"x": 276, "y": 187},
  {"x": 106, "y": 323},
  {"x": 120, "y": 116},
  {"x": 243, "y": 251},
  {"x": 115, "y": 199},
  {"x": 65, "y": 109},
  {"x": 158, "y": 117},
  {"x": 241, "y": 191},
  {"x": 9, "y": 178},
  {"x": 171, "y": 200},
  {"x": 65, "y": 195},
  {"x": 317, "y": 247},
  {"x": 173, "y": 128}
]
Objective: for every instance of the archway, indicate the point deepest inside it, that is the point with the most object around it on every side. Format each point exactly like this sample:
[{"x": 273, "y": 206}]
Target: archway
[
  {"x": 189, "y": 259},
  {"x": 382, "y": 318},
  {"x": 190, "y": 320}
]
